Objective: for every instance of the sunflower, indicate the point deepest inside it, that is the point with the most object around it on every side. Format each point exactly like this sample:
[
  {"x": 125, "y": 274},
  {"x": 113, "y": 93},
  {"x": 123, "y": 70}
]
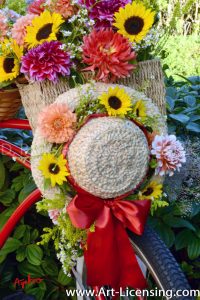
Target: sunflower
[
  {"x": 54, "y": 168},
  {"x": 139, "y": 109},
  {"x": 43, "y": 29},
  {"x": 134, "y": 21},
  {"x": 152, "y": 191},
  {"x": 116, "y": 101},
  {"x": 10, "y": 60}
]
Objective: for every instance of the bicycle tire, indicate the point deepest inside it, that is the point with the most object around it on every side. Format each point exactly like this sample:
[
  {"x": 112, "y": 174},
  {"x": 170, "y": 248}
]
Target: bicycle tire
[{"x": 160, "y": 262}]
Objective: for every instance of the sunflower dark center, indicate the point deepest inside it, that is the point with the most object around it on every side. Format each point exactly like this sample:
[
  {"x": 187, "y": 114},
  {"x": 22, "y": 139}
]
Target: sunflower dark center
[
  {"x": 44, "y": 32},
  {"x": 8, "y": 64},
  {"x": 134, "y": 25},
  {"x": 137, "y": 112},
  {"x": 54, "y": 169},
  {"x": 114, "y": 102},
  {"x": 148, "y": 192}
]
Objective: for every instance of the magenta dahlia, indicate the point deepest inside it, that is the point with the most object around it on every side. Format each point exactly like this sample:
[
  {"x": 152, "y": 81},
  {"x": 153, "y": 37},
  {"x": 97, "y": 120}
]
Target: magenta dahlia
[
  {"x": 46, "y": 61},
  {"x": 102, "y": 11},
  {"x": 109, "y": 54}
]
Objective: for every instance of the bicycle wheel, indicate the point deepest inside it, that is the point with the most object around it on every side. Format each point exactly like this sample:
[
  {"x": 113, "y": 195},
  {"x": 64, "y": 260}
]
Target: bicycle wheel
[{"x": 159, "y": 262}]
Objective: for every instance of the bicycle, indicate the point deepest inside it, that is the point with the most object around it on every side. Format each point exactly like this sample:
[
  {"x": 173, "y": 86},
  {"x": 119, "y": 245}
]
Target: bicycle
[{"x": 152, "y": 253}]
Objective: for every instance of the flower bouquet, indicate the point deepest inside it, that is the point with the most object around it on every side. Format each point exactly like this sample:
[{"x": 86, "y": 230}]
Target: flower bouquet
[{"x": 60, "y": 43}]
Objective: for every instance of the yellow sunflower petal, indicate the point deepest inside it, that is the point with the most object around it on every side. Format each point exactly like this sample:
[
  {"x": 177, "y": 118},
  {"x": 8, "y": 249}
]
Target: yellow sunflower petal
[
  {"x": 152, "y": 191},
  {"x": 43, "y": 29},
  {"x": 134, "y": 21},
  {"x": 53, "y": 168},
  {"x": 10, "y": 60},
  {"x": 116, "y": 101}
]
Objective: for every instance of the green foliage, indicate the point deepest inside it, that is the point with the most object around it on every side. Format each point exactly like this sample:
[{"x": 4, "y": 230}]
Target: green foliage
[
  {"x": 183, "y": 105},
  {"x": 181, "y": 55},
  {"x": 17, "y": 5},
  {"x": 21, "y": 256},
  {"x": 179, "y": 234}
]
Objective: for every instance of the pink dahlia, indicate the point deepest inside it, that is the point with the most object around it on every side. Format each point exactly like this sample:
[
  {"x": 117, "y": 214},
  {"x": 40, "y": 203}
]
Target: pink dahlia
[
  {"x": 3, "y": 27},
  {"x": 102, "y": 12},
  {"x": 62, "y": 7},
  {"x": 54, "y": 214},
  {"x": 169, "y": 154},
  {"x": 109, "y": 54},
  {"x": 37, "y": 7},
  {"x": 46, "y": 61},
  {"x": 19, "y": 28},
  {"x": 56, "y": 123}
]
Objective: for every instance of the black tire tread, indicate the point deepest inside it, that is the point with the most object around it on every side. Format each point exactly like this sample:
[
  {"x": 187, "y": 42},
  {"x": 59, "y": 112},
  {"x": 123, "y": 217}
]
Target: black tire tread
[{"x": 164, "y": 264}]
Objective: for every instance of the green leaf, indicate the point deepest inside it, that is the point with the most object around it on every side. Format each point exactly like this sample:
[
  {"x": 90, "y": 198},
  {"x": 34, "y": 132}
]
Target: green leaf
[
  {"x": 19, "y": 232},
  {"x": 193, "y": 127},
  {"x": 26, "y": 268},
  {"x": 2, "y": 172},
  {"x": 190, "y": 100},
  {"x": 50, "y": 267},
  {"x": 34, "y": 234},
  {"x": 10, "y": 246},
  {"x": 195, "y": 118},
  {"x": 26, "y": 191},
  {"x": 17, "y": 183},
  {"x": 7, "y": 197},
  {"x": 2, "y": 258},
  {"x": 183, "y": 239},
  {"x": 194, "y": 249},
  {"x": 4, "y": 216},
  {"x": 34, "y": 254},
  {"x": 166, "y": 234},
  {"x": 21, "y": 254},
  {"x": 178, "y": 222},
  {"x": 63, "y": 278},
  {"x": 37, "y": 292},
  {"x": 171, "y": 92},
  {"x": 170, "y": 102},
  {"x": 27, "y": 236},
  {"x": 180, "y": 117}
]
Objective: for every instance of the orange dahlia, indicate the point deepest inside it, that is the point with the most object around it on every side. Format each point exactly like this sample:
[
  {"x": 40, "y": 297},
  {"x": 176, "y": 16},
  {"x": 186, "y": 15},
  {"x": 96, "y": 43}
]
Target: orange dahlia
[
  {"x": 56, "y": 123},
  {"x": 108, "y": 54},
  {"x": 62, "y": 7}
]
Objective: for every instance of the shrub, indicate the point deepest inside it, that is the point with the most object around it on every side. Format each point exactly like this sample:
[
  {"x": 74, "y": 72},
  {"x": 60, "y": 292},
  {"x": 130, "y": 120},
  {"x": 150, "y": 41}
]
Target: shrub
[{"x": 180, "y": 54}]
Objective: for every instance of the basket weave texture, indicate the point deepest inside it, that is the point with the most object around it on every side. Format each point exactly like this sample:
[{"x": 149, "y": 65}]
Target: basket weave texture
[
  {"x": 148, "y": 77},
  {"x": 10, "y": 102},
  {"x": 109, "y": 157}
]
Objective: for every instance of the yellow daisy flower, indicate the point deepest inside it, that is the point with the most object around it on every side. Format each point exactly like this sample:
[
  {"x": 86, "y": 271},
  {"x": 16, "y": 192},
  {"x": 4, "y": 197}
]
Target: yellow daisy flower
[
  {"x": 139, "y": 109},
  {"x": 54, "y": 168},
  {"x": 152, "y": 191},
  {"x": 134, "y": 21},
  {"x": 116, "y": 101},
  {"x": 10, "y": 60},
  {"x": 43, "y": 29}
]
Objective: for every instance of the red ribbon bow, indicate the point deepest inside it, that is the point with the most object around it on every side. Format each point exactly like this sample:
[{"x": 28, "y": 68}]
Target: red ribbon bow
[{"x": 109, "y": 256}]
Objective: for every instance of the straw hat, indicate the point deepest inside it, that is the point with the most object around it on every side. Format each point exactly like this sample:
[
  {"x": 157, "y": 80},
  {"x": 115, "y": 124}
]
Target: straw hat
[{"x": 109, "y": 156}]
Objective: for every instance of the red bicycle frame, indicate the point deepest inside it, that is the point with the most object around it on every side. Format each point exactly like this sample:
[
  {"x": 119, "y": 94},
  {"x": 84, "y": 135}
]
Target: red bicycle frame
[{"x": 23, "y": 158}]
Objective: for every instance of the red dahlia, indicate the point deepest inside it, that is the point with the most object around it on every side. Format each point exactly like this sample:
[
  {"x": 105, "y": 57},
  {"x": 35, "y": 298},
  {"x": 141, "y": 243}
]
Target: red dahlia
[{"x": 108, "y": 54}]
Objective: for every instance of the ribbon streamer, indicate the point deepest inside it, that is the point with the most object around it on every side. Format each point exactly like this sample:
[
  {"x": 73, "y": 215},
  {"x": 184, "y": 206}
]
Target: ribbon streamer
[{"x": 109, "y": 257}]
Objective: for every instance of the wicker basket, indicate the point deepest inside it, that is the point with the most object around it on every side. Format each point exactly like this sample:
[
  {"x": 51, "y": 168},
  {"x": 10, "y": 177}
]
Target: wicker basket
[
  {"x": 10, "y": 102},
  {"x": 148, "y": 78}
]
